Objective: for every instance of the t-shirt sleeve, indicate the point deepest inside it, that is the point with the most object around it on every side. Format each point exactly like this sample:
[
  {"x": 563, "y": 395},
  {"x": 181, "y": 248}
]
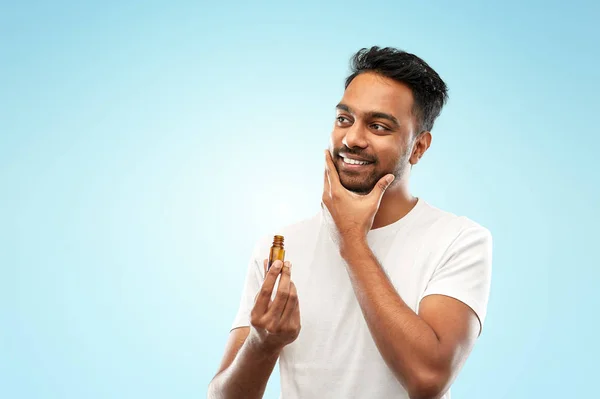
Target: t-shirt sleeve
[
  {"x": 252, "y": 283},
  {"x": 465, "y": 270}
]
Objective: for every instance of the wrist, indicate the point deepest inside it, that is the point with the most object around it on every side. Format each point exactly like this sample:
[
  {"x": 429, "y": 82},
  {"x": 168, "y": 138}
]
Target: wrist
[
  {"x": 350, "y": 246},
  {"x": 260, "y": 347}
]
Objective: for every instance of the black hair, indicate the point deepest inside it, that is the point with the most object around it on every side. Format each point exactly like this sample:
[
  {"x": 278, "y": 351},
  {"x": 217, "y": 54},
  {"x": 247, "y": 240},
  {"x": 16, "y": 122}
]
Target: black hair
[{"x": 429, "y": 90}]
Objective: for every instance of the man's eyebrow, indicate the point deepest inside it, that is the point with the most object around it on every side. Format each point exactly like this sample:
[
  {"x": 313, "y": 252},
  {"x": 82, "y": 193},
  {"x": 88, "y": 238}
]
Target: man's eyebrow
[
  {"x": 382, "y": 115},
  {"x": 344, "y": 107},
  {"x": 372, "y": 114}
]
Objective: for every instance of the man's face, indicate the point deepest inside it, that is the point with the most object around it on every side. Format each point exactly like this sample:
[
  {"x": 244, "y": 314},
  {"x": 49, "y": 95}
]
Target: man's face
[{"x": 374, "y": 124}]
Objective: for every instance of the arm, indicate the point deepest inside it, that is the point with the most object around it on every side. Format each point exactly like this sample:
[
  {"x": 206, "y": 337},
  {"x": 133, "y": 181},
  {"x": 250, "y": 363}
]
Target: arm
[
  {"x": 426, "y": 350},
  {"x": 245, "y": 369},
  {"x": 252, "y": 352}
]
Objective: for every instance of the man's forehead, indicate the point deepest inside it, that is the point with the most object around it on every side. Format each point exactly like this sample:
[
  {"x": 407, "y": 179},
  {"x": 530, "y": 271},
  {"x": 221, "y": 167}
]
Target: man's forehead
[{"x": 369, "y": 92}]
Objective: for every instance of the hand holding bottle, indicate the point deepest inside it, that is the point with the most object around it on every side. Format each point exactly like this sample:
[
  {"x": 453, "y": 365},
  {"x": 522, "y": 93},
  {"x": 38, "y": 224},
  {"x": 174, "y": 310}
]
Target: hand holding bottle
[{"x": 276, "y": 323}]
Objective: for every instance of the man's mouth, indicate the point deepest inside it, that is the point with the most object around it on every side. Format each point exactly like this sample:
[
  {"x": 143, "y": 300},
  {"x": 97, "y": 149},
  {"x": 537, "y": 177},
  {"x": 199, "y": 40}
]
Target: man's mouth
[{"x": 354, "y": 163}]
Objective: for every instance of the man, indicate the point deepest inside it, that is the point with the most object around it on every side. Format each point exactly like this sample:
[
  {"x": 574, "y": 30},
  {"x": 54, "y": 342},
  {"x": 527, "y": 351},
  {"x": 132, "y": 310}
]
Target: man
[{"x": 387, "y": 294}]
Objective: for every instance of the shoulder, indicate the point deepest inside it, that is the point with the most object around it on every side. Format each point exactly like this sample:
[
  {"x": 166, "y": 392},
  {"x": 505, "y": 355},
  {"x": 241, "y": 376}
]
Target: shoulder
[
  {"x": 449, "y": 230},
  {"x": 448, "y": 223}
]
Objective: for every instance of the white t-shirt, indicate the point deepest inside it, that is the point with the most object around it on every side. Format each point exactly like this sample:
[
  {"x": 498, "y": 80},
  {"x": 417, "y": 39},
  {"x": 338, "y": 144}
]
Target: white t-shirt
[{"x": 428, "y": 251}]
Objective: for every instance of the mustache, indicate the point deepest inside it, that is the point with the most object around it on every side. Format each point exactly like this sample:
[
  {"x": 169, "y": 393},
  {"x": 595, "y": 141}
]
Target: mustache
[{"x": 358, "y": 153}]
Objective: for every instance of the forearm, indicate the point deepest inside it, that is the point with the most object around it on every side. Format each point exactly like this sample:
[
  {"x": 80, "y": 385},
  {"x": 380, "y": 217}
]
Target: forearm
[
  {"x": 248, "y": 374},
  {"x": 408, "y": 344}
]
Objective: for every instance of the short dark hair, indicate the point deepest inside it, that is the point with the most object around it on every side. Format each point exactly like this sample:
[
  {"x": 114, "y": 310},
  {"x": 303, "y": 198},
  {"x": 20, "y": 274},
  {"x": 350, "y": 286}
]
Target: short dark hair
[{"x": 429, "y": 90}]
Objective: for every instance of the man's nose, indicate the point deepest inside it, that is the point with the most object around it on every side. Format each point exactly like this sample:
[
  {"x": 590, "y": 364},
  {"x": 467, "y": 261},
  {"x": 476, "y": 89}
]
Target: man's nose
[{"x": 355, "y": 137}]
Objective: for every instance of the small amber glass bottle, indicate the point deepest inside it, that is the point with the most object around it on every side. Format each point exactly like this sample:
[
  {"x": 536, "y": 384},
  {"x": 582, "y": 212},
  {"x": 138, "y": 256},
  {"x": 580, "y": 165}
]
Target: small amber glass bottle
[{"x": 277, "y": 252}]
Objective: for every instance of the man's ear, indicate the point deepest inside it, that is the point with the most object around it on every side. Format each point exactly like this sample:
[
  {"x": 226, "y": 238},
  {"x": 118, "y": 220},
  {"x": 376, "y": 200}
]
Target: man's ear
[{"x": 422, "y": 143}]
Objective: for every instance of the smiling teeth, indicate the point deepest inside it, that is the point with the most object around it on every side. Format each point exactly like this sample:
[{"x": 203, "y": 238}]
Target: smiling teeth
[{"x": 354, "y": 162}]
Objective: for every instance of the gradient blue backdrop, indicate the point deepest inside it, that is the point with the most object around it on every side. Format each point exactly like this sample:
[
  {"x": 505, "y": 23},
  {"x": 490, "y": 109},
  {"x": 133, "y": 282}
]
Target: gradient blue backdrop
[{"x": 139, "y": 143}]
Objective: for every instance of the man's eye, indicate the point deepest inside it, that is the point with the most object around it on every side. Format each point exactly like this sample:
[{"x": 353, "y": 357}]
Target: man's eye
[
  {"x": 381, "y": 127},
  {"x": 342, "y": 119}
]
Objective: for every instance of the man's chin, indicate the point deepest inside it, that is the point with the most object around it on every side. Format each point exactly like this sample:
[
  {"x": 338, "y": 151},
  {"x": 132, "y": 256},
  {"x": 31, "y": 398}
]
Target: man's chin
[{"x": 357, "y": 188}]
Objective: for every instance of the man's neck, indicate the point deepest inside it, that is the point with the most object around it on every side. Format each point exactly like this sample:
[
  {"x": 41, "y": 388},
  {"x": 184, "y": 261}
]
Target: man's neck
[{"x": 396, "y": 203}]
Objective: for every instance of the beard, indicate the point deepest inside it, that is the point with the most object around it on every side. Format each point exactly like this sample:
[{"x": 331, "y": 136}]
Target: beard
[{"x": 363, "y": 181}]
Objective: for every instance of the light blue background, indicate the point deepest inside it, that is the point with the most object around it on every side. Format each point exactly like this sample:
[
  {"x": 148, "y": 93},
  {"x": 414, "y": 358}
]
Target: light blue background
[{"x": 144, "y": 147}]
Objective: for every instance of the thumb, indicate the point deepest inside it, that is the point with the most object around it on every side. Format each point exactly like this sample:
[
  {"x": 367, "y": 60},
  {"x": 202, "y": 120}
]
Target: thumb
[{"x": 383, "y": 184}]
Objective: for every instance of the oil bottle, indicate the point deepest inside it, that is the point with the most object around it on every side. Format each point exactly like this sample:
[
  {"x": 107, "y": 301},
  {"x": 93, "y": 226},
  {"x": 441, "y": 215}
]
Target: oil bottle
[{"x": 277, "y": 252}]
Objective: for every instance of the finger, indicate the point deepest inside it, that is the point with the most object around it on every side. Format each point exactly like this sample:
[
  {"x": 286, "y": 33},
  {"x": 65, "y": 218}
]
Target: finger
[
  {"x": 381, "y": 186},
  {"x": 283, "y": 291},
  {"x": 325, "y": 181},
  {"x": 326, "y": 189},
  {"x": 292, "y": 305},
  {"x": 264, "y": 275},
  {"x": 334, "y": 179},
  {"x": 264, "y": 295}
]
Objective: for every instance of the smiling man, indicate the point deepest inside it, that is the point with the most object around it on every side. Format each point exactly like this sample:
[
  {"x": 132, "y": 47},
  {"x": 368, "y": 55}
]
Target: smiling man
[{"x": 388, "y": 293}]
